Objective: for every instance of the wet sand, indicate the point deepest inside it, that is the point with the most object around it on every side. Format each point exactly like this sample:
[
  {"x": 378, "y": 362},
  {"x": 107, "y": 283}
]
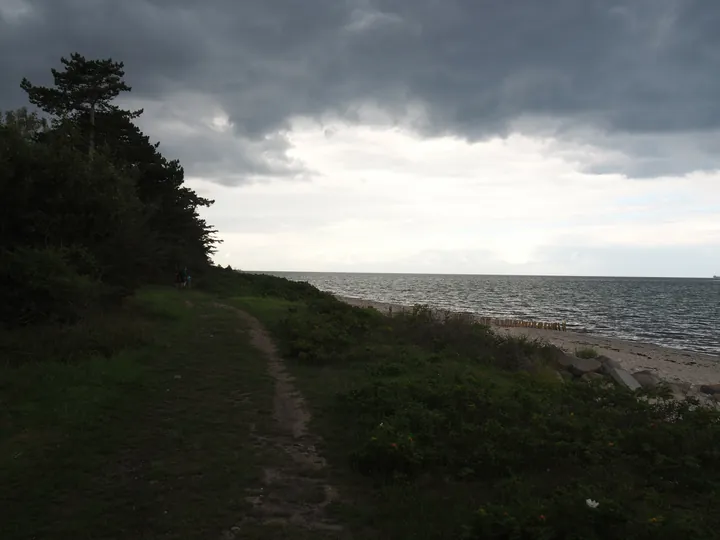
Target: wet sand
[{"x": 669, "y": 364}]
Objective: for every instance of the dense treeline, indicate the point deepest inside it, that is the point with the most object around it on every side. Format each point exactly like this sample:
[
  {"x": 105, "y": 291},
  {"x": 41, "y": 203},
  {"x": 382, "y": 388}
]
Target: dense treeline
[{"x": 90, "y": 207}]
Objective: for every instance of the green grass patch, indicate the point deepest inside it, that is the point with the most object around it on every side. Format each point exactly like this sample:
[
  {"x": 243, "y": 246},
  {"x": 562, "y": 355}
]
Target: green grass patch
[
  {"x": 267, "y": 310},
  {"x": 148, "y": 436}
]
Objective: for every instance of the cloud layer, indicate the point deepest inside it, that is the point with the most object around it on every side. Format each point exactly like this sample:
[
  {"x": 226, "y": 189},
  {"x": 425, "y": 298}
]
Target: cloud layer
[
  {"x": 387, "y": 200},
  {"x": 637, "y": 77},
  {"x": 514, "y": 136}
]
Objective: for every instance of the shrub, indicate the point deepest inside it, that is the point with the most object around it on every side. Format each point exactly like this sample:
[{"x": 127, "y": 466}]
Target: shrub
[
  {"x": 330, "y": 332},
  {"x": 572, "y": 513},
  {"x": 229, "y": 282},
  {"x": 586, "y": 352},
  {"x": 438, "y": 399},
  {"x": 41, "y": 285}
]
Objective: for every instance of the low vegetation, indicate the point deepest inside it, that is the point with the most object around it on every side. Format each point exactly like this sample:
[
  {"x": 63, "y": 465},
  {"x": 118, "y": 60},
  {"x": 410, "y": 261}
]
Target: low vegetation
[
  {"x": 143, "y": 432},
  {"x": 475, "y": 433},
  {"x": 586, "y": 352},
  {"x": 435, "y": 426}
]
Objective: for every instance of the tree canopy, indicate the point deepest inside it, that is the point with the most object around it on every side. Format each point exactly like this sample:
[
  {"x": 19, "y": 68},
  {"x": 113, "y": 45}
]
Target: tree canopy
[
  {"x": 92, "y": 209},
  {"x": 84, "y": 89}
]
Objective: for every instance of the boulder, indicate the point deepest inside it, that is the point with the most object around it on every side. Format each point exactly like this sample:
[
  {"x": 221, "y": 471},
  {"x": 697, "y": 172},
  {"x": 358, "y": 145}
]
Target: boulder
[
  {"x": 581, "y": 366},
  {"x": 679, "y": 387},
  {"x": 563, "y": 360},
  {"x": 710, "y": 389},
  {"x": 646, "y": 378},
  {"x": 608, "y": 364},
  {"x": 592, "y": 376},
  {"x": 623, "y": 378}
]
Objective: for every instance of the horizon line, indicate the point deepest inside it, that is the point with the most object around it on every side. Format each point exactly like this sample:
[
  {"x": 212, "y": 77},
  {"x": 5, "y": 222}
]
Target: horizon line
[{"x": 469, "y": 274}]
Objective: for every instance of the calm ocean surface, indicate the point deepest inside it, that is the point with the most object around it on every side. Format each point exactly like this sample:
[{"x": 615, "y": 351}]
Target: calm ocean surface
[{"x": 680, "y": 313}]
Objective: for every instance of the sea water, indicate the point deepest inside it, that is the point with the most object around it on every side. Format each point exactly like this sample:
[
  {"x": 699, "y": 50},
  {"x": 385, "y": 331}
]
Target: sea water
[{"x": 679, "y": 313}]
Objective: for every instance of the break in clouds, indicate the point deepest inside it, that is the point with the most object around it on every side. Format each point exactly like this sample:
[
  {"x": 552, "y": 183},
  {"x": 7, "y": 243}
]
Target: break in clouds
[{"x": 222, "y": 81}]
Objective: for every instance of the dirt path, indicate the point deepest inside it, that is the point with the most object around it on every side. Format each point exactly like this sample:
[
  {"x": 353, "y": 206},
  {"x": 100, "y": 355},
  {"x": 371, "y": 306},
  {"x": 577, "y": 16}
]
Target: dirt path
[{"x": 295, "y": 494}]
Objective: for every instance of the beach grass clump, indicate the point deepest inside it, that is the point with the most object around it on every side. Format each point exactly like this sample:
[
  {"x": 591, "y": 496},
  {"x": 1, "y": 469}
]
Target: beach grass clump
[
  {"x": 440, "y": 413},
  {"x": 586, "y": 352}
]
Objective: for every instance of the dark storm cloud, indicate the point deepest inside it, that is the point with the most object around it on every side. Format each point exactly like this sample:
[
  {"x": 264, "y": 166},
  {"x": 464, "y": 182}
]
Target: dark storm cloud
[{"x": 630, "y": 68}]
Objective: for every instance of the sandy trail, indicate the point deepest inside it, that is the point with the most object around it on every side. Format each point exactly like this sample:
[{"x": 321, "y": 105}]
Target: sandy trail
[
  {"x": 669, "y": 364},
  {"x": 295, "y": 493}
]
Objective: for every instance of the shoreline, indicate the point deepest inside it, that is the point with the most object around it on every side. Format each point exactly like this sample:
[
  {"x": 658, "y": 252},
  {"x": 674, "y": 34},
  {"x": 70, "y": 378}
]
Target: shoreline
[{"x": 672, "y": 365}]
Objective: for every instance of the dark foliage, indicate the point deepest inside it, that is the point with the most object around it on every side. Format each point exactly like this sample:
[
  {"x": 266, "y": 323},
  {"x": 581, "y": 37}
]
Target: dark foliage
[
  {"x": 228, "y": 282},
  {"x": 91, "y": 209},
  {"x": 436, "y": 405}
]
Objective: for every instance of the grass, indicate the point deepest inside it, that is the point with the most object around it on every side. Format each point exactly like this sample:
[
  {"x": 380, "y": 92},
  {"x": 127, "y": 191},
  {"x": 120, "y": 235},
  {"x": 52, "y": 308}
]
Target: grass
[
  {"x": 442, "y": 429},
  {"x": 142, "y": 433},
  {"x": 138, "y": 424},
  {"x": 586, "y": 352}
]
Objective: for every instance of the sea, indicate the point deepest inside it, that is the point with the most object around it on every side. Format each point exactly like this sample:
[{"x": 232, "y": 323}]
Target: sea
[{"x": 672, "y": 312}]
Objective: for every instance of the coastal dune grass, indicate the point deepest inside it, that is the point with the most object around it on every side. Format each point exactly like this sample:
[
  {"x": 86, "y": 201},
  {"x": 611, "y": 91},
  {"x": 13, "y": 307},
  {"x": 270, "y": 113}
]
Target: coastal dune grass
[{"x": 440, "y": 428}]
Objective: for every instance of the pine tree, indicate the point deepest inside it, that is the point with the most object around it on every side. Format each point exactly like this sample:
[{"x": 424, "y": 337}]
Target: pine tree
[{"x": 84, "y": 89}]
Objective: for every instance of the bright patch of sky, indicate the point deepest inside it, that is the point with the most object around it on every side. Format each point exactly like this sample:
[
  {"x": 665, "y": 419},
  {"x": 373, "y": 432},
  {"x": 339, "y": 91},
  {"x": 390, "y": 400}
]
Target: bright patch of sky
[{"x": 379, "y": 198}]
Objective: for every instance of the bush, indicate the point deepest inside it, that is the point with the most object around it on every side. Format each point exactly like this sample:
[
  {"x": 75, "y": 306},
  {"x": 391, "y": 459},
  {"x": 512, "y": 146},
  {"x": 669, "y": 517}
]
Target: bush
[
  {"x": 571, "y": 512},
  {"x": 228, "y": 282},
  {"x": 331, "y": 332},
  {"x": 41, "y": 285},
  {"x": 434, "y": 401},
  {"x": 586, "y": 352}
]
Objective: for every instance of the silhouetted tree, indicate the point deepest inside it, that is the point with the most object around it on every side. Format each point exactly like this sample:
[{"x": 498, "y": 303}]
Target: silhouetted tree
[
  {"x": 84, "y": 87},
  {"x": 91, "y": 208},
  {"x": 26, "y": 124}
]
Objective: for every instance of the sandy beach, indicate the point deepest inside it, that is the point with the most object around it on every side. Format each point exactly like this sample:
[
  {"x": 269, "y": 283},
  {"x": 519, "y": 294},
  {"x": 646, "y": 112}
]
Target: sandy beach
[{"x": 673, "y": 365}]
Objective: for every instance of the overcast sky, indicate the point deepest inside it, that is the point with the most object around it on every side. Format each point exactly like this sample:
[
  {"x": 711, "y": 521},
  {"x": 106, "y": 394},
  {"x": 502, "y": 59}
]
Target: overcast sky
[{"x": 451, "y": 136}]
